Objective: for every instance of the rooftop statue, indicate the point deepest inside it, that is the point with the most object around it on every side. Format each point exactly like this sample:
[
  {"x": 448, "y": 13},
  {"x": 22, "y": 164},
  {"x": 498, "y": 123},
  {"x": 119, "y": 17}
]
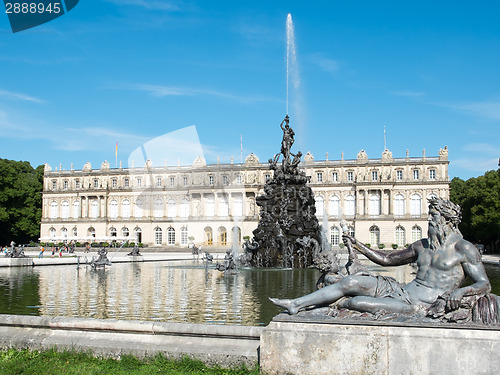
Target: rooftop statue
[{"x": 444, "y": 260}]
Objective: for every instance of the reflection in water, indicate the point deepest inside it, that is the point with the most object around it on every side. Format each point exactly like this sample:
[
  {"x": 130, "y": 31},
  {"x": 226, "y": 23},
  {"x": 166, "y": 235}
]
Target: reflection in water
[{"x": 173, "y": 291}]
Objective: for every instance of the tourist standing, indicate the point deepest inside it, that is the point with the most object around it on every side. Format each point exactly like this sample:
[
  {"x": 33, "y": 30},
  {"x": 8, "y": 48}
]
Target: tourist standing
[{"x": 42, "y": 249}]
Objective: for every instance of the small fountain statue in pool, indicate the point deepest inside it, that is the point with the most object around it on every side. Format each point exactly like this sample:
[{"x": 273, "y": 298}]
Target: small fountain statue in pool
[
  {"x": 288, "y": 233},
  {"x": 13, "y": 252},
  {"x": 437, "y": 293},
  {"x": 102, "y": 259}
]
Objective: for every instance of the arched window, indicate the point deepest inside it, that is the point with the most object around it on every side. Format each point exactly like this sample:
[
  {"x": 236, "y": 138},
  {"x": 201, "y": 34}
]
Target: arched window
[
  {"x": 138, "y": 234},
  {"x": 53, "y": 210},
  {"x": 76, "y": 209},
  {"x": 94, "y": 212},
  {"x": 113, "y": 209},
  {"x": 64, "y": 233},
  {"x": 238, "y": 206},
  {"x": 222, "y": 236},
  {"x": 334, "y": 205},
  {"x": 374, "y": 208},
  {"x": 208, "y": 236},
  {"x": 158, "y": 208},
  {"x": 65, "y": 210},
  {"x": 400, "y": 236},
  {"x": 374, "y": 236},
  {"x": 75, "y": 232},
  {"x": 319, "y": 202},
  {"x": 399, "y": 205},
  {"x": 236, "y": 232},
  {"x": 184, "y": 236},
  {"x": 112, "y": 232},
  {"x": 138, "y": 211},
  {"x": 350, "y": 205},
  {"x": 170, "y": 236},
  {"x": 158, "y": 236},
  {"x": 416, "y": 233},
  {"x": 416, "y": 205},
  {"x": 126, "y": 209},
  {"x": 172, "y": 208},
  {"x": 210, "y": 206},
  {"x": 91, "y": 232},
  {"x": 335, "y": 236},
  {"x": 184, "y": 207},
  {"x": 125, "y": 232},
  {"x": 52, "y": 233},
  {"x": 223, "y": 206},
  {"x": 350, "y": 231}
]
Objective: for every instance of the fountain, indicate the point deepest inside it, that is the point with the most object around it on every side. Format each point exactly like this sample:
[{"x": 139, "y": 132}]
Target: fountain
[{"x": 288, "y": 232}]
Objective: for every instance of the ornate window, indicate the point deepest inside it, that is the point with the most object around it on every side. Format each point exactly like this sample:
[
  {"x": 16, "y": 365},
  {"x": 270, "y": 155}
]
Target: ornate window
[
  {"x": 350, "y": 176},
  {"x": 75, "y": 232},
  {"x": 399, "y": 205},
  {"x": 416, "y": 233},
  {"x": 184, "y": 207},
  {"x": 125, "y": 232},
  {"x": 52, "y": 233},
  {"x": 158, "y": 181},
  {"x": 335, "y": 236},
  {"x": 184, "y": 236},
  {"x": 416, "y": 205},
  {"x": 172, "y": 181},
  {"x": 432, "y": 174},
  {"x": 374, "y": 236},
  {"x": 223, "y": 206},
  {"x": 374, "y": 208},
  {"x": 53, "y": 210},
  {"x": 319, "y": 176},
  {"x": 320, "y": 205},
  {"x": 126, "y": 182},
  {"x": 238, "y": 206},
  {"x": 65, "y": 210},
  {"x": 225, "y": 180},
  {"x": 158, "y": 208},
  {"x": 113, "y": 209},
  {"x": 172, "y": 208},
  {"x": 399, "y": 175},
  {"x": 126, "y": 209},
  {"x": 76, "y": 209},
  {"x": 335, "y": 176},
  {"x": 77, "y": 184},
  {"x": 239, "y": 179},
  {"x": 400, "y": 236},
  {"x": 374, "y": 175},
  {"x": 158, "y": 236},
  {"x": 210, "y": 206},
  {"x": 416, "y": 174},
  {"x": 94, "y": 209},
  {"x": 112, "y": 232},
  {"x": 64, "y": 233},
  {"x": 211, "y": 180},
  {"x": 65, "y": 184},
  {"x": 334, "y": 205},
  {"x": 170, "y": 236},
  {"x": 138, "y": 211},
  {"x": 185, "y": 181},
  {"x": 350, "y": 205},
  {"x": 114, "y": 182},
  {"x": 96, "y": 183},
  {"x": 54, "y": 184},
  {"x": 138, "y": 181}
]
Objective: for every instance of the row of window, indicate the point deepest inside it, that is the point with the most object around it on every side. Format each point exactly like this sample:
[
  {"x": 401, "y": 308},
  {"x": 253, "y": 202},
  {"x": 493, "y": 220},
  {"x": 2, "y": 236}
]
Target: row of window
[
  {"x": 399, "y": 235},
  {"x": 139, "y": 182},
  {"x": 158, "y": 210},
  {"x": 375, "y": 175},
  {"x": 373, "y": 205}
]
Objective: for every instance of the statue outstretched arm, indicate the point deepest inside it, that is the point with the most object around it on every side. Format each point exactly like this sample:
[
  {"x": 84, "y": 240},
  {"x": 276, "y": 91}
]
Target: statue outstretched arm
[{"x": 395, "y": 258}]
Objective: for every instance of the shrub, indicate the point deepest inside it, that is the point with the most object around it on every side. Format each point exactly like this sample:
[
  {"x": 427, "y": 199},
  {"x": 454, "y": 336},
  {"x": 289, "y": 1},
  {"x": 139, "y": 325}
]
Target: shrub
[
  {"x": 381, "y": 245},
  {"x": 341, "y": 245},
  {"x": 394, "y": 246},
  {"x": 140, "y": 244}
]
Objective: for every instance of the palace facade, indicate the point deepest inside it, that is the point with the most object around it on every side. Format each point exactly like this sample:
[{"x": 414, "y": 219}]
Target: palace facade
[{"x": 384, "y": 201}]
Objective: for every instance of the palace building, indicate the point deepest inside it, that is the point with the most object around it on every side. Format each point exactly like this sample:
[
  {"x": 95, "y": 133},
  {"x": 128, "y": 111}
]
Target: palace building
[{"x": 384, "y": 201}]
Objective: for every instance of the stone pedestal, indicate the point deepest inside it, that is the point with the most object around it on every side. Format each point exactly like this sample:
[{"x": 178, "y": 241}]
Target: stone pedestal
[{"x": 301, "y": 347}]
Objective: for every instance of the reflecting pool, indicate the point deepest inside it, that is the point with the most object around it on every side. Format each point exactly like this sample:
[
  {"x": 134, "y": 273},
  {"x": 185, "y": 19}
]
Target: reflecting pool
[{"x": 163, "y": 291}]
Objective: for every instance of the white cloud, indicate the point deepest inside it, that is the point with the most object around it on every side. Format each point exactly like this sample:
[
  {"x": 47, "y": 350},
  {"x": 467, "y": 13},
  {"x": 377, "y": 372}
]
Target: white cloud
[
  {"x": 19, "y": 96},
  {"x": 149, "y": 4},
  {"x": 161, "y": 91},
  {"x": 483, "y": 109},
  {"x": 481, "y": 157},
  {"x": 325, "y": 63}
]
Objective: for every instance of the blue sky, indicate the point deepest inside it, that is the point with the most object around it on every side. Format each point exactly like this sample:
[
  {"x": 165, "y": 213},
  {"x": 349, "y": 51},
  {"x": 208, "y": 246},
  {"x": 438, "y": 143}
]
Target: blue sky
[{"x": 129, "y": 71}]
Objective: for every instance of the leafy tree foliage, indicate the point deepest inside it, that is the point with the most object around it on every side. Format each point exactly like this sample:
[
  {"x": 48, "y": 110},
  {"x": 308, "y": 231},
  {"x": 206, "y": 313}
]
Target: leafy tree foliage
[
  {"x": 480, "y": 201},
  {"x": 20, "y": 201}
]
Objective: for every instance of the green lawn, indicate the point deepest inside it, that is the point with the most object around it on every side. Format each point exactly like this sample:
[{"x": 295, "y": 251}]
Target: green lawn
[{"x": 52, "y": 362}]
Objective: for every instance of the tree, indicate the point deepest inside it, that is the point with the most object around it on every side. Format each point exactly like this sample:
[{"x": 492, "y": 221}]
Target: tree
[
  {"x": 480, "y": 201},
  {"x": 20, "y": 201}
]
